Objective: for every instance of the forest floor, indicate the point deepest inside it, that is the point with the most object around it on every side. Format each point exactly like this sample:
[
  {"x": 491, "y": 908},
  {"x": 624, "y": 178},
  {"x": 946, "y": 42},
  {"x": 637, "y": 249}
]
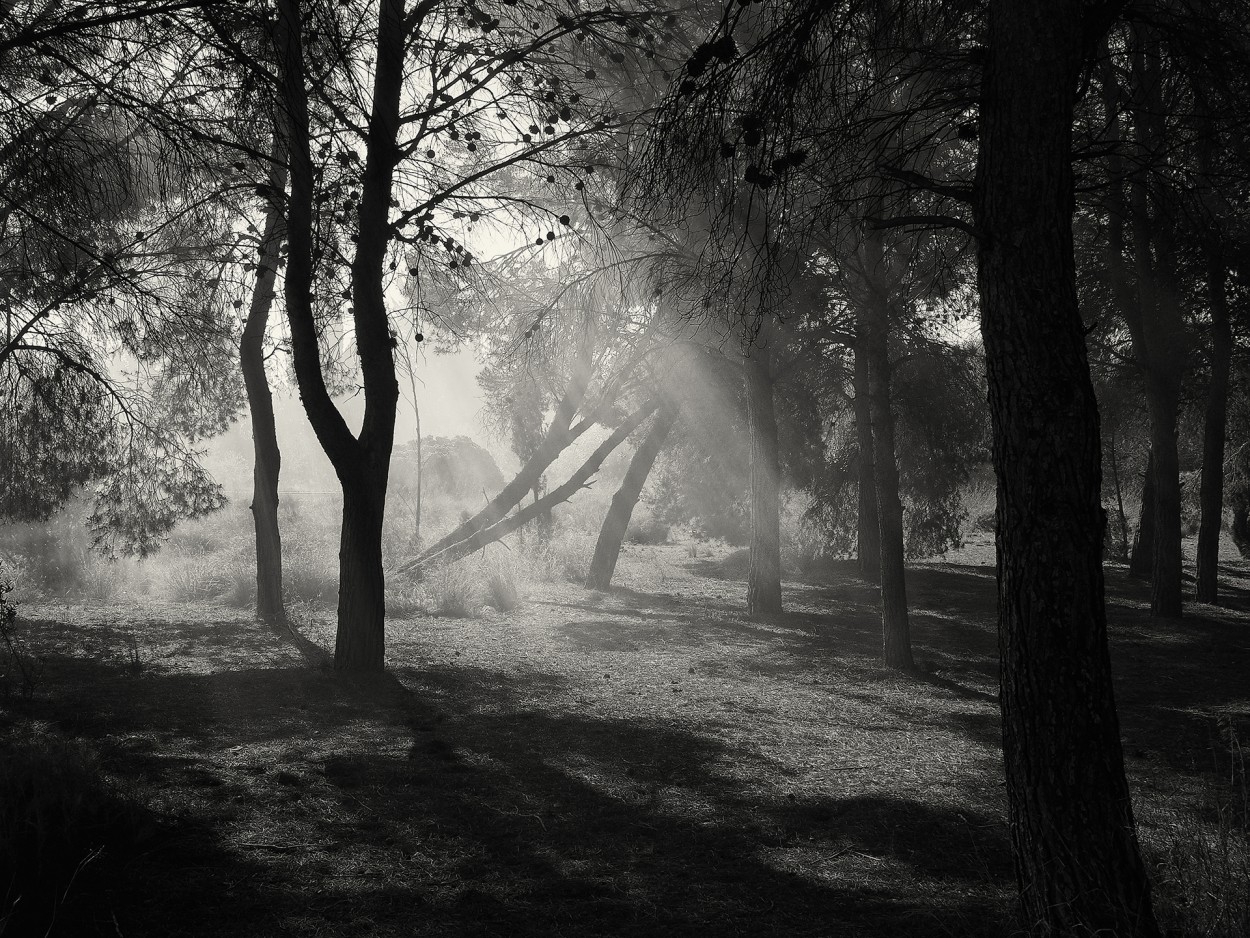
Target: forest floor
[{"x": 645, "y": 761}]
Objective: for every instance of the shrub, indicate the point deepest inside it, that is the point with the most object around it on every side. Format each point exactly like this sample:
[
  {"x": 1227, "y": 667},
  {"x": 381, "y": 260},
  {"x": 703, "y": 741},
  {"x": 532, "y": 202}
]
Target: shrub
[
  {"x": 191, "y": 578},
  {"x": 563, "y": 558},
  {"x": 19, "y": 669},
  {"x": 452, "y": 591},
  {"x": 501, "y": 586},
  {"x": 310, "y": 574},
  {"x": 403, "y": 599},
  {"x": 647, "y": 531},
  {"x": 59, "y": 817}
]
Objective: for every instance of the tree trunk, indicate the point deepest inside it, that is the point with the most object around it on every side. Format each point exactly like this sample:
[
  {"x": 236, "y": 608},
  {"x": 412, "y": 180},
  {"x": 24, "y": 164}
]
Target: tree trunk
[
  {"x": 764, "y": 572},
  {"x": 874, "y": 316},
  {"x": 1144, "y": 539},
  {"x": 362, "y": 463},
  {"x": 543, "y": 524},
  {"x": 1167, "y": 563},
  {"x": 616, "y": 522},
  {"x": 1159, "y": 334},
  {"x": 868, "y": 523},
  {"x": 1211, "y": 494},
  {"x": 267, "y": 462},
  {"x": 1077, "y": 861},
  {"x": 362, "y": 593},
  {"x": 1113, "y": 459}
]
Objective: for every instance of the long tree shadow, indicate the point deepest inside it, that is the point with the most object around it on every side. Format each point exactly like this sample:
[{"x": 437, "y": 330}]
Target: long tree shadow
[{"x": 450, "y": 802}]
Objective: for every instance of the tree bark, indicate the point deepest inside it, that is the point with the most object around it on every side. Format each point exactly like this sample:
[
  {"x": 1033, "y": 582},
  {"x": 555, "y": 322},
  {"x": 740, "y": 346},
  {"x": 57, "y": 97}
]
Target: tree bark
[
  {"x": 868, "y": 522},
  {"x": 764, "y": 571},
  {"x": 1211, "y": 492},
  {"x": 362, "y": 463},
  {"x": 874, "y": 318},
  {"x": 362, "y": 590},
  {"x": 267, "y": 462},
  {"x": 1077, "y": 861},
  {"x": 616, "y": 522},
  {"x": 1159, "y": 335},
  {"x": 1140, "y": 563}
]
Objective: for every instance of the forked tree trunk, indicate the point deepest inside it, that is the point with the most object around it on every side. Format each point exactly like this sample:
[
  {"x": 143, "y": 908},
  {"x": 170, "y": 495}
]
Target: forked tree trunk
[
  {"x": 1140, "y": 564},
  {"x": 764, "y": 570},
  {"x": 1077, "y": 861},
  {"x": 362, "y": 463},
  {"x": 874, "y": 335},
  {"x": 267, "y": 461},
  {"x": 1211, "y": 494},
  {"x": 616, "y": 522},
  {"x": 868, "y": 523}
]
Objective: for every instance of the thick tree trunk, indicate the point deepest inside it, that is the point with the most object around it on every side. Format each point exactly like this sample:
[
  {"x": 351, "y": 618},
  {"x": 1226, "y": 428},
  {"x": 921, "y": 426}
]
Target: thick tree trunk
[
  {"x": 362, "y": 594},
  {"x": 267, "y": 462},
  {"x": 616, "y": 522},
  {"x": 1140, "y": 564},
  {"x": 1077, "y": 860},
  {"x": 1166, "y": 561},
  {"x": 1211, "y": 494},
  {"x": 868, "y": 523},
  {"x": 764, "y": 571},
  {"x": 874, "y": 335}
]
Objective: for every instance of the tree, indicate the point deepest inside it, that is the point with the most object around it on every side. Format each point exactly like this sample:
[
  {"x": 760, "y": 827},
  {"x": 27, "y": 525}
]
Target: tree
[
  {"x": 1061, "y": 740},
  {"x": 616, "y": 521}
]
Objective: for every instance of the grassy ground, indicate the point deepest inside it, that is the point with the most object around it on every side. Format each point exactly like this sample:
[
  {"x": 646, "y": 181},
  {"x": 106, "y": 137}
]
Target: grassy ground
[{"x": 640, "y": 762}]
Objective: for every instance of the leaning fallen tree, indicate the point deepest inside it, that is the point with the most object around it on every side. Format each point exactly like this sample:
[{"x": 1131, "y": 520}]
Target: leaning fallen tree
[{"x": 480, "y": 536}]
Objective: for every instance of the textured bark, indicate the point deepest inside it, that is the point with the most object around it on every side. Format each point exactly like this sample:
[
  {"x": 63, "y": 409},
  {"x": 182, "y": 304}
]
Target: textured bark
[
  {"x": 362, "y": 463},
  {"x": 874, "y": 317},
  {"x": 362, "y": 590},
  {"x": 1077, "y": 861},
  {"x": 267, "y": 462},
  {"x": 1144, "y": 539},
  {"x": 764, "y": 571},
  {"x": 616, "y": 522},
  {"x": 868, "y": 523},
  {"x": 1211, "y": 493}
]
